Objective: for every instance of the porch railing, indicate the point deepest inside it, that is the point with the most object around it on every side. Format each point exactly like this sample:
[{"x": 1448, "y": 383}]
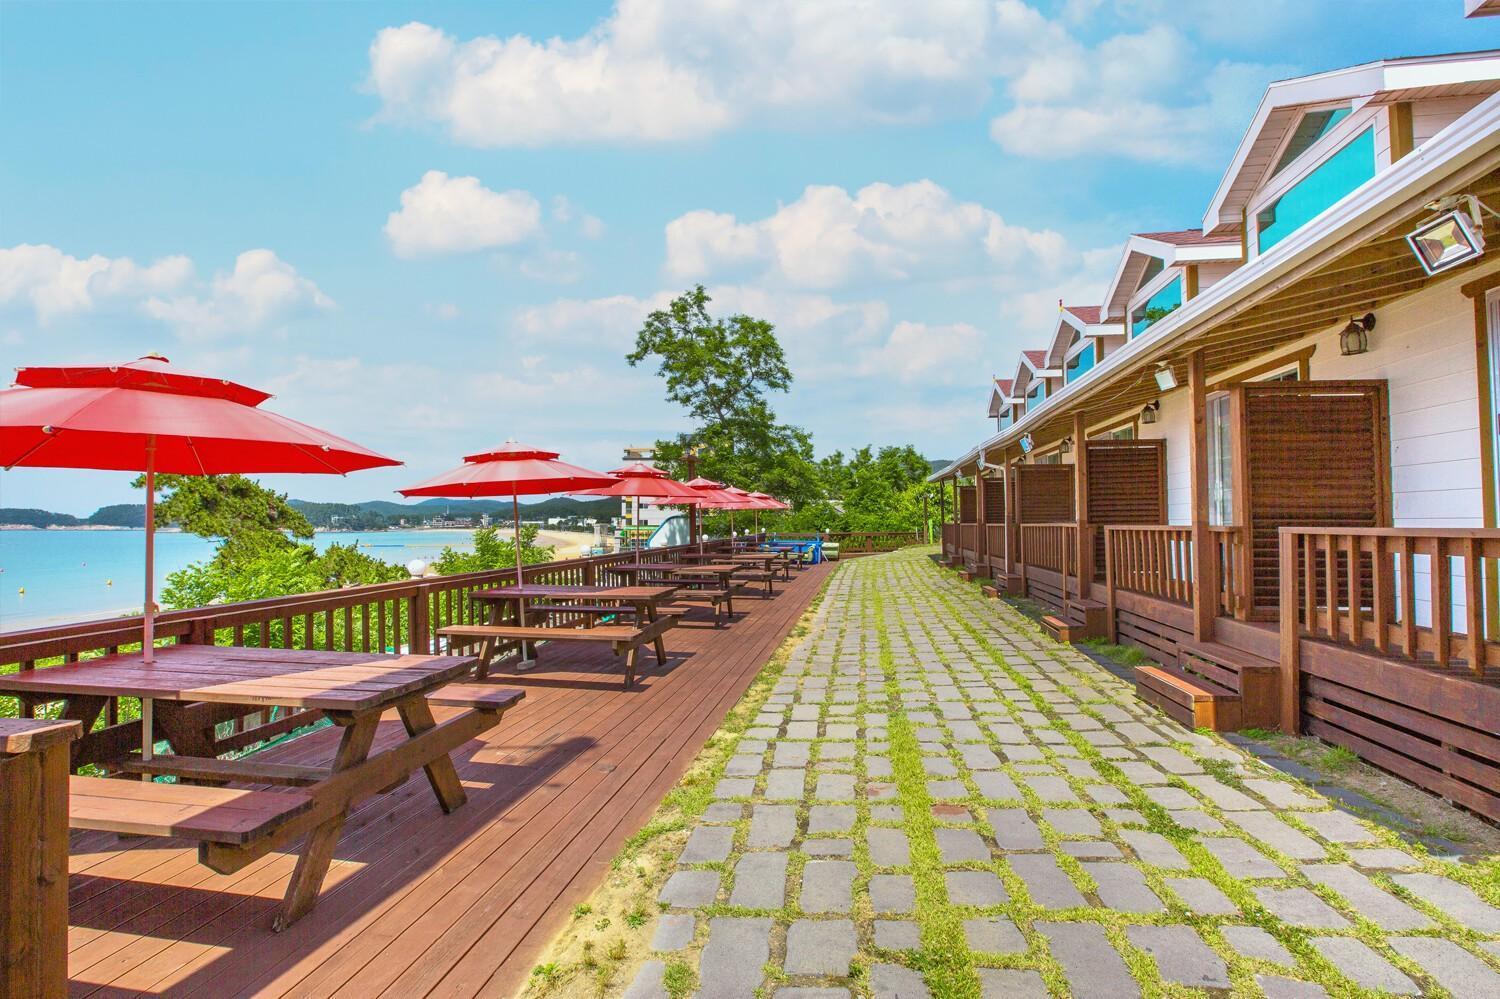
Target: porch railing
[
  {"x": 968, "y": 537},
  {"x": 1152, "y": 560},
  {"x": 376, "y": 618},
  {"x": 994, "y": 541},
  {"x": 1232, "y": 552},
  {"x": 1425, "y": 595},
  {"x": 950, "y": 538},
  {"x": 1050, "y": 546}
]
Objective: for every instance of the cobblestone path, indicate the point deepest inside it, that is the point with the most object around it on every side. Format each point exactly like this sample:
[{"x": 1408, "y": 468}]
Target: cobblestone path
[{"x": 936, "y": 800}]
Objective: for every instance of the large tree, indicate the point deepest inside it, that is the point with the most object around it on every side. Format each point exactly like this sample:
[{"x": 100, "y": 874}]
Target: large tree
[{"x": 722, "y": 371}]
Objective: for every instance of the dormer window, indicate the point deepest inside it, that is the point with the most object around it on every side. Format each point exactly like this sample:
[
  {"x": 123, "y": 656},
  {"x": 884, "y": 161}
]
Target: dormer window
[
  {"x": 1079, "y": 363},
  {"x": 1162, "y": 303},
  {"x": 1313, "y": 126},
  {"x": 1325, "y": 184},
  {"x": 1003, "y": 420},
  {"x": 1036, "y": 394}
]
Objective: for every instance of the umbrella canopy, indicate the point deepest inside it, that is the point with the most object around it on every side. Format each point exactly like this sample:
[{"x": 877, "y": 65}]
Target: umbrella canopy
[
  {"x": 128, "y": 417},
  {"x": 768, "y": 502},
  {"x": 638, "y": 480},
  {"x": 146, "y": 416},
  {"x": 512, "y": 470}
]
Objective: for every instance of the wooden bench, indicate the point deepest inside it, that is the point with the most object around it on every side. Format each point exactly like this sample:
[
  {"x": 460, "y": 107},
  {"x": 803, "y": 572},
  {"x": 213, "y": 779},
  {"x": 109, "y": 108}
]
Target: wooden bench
[
  {"x": 625, "y": 640},
  {"x": 204, "y": 814},
  {"x": 1192, "y": 700},
  {"x": 716, "y": 598},
  {"x": 747, "y": 576}
]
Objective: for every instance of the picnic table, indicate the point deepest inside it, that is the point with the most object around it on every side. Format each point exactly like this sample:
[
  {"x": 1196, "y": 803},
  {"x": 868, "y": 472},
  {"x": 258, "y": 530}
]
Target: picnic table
[
  {"x": 531, "y": 601},
  {"x": 235, "y": 827},
  {"x": 639, "y": 571}
]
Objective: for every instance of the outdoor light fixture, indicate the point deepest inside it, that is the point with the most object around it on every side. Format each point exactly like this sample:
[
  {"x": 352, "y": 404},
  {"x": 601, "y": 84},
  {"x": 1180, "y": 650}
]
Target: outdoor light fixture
[
  {"x": 1165, "y": 379},
  {"x": 1354, "y": 339},
  {"x": 1026, "y": 444},
  {"x": 1067, "y": 445},
  {"x": 1454, "y": 236},
  {"x": 1149, "y": 414}
]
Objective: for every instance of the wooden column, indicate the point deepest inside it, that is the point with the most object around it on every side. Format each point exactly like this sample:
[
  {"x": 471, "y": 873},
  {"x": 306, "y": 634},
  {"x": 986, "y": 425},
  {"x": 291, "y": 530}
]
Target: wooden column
[
  {"x": 1205, "y": 575},
  {"x": 34, "y": 856},
  {"x": 982, "y": 542},
  {"x": 1012, "y": 517},
  {"x": 1084, "y": 547},
  {"x": 1291, "y": 634}
]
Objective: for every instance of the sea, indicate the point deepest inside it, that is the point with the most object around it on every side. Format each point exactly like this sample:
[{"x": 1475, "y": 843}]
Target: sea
[{"x": 56, "y": 576}]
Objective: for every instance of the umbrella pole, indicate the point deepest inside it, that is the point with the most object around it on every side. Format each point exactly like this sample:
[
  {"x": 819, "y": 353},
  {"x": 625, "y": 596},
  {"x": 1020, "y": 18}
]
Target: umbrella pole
[
  {"x": 515, "y": 509},
  {"x": 148, "y": 617}
]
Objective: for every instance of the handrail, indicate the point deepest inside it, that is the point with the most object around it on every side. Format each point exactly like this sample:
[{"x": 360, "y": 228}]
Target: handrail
[
  {"x": 1050, "y": 546},
  {"x": 1154, "y": 560},
  {"x": 1232, "y": 548}
]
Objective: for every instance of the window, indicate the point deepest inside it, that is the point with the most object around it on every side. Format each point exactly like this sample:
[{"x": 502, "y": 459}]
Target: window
[
  {"x": 1335, "y": 177},
  {"x": 1050, "y": 458},
  {"x": 1220, "y": 462},
  {"x": 1125, "y": 433},
  {"x": 1003, "y": 420},
  {"x": 1079, "y": 363},
  {"x": 1036, "y": 394},
  {"x": 1313, "y": 126},
  {"x": 1166, "y": 300}
]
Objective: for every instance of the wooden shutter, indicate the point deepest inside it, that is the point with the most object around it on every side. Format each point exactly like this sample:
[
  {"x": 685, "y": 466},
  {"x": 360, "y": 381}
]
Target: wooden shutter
[
  {"x": 994, "y": 501},
  {"x": 1127, "y": 485},
  {"x": 1317, "y": 456},
  {"x": 966, "y": 505},
  {"x": 1045, "y": 494}
]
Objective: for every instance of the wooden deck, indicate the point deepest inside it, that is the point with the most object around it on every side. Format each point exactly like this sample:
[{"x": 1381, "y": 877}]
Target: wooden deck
[{"x": 418, "y": 902}]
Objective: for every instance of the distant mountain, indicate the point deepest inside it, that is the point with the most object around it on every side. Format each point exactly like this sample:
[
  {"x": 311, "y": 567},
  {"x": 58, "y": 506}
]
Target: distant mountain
[
  {"x": 359, "y": 516},
  {"x": 938, "y": 464}
]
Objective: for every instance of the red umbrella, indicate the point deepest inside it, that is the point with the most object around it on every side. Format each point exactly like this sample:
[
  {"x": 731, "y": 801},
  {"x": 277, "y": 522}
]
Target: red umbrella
[
  {"x": 146, "y": 416},
  {"x": 639, "y": 481},
  {"x": 767, "y": 502},
  {"x": 513, "y": 470}
]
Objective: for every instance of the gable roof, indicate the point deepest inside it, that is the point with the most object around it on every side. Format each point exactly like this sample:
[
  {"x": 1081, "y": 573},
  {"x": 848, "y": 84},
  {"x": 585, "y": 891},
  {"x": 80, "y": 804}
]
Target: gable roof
[
  {"x": 1086, "y": 321},
  {"x": 1000, "y": 396},
  {"x": 1177, "y": 246},
  {"x": 1386, "y": 80}
]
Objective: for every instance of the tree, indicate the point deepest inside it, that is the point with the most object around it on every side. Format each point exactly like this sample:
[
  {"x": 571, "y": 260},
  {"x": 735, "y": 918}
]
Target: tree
[
  {"x": 721, "y": 370},
  {"x": 243, "y": 514}
]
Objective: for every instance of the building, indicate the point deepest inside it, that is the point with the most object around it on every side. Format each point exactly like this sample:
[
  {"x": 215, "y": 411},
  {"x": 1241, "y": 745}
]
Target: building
[{"x": 1267, "y": 457}]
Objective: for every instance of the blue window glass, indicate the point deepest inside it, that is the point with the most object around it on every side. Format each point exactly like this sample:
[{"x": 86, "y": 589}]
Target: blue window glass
[
  {"x": 1036, "y": 394},
  {"x": 1313, "y": 126},
  {"x": 1003, "y": 421},
  {"x": 1164, "y": 302},
  {"x": 1079, "y": 363},
  {"x": 1335, "y": 177}
]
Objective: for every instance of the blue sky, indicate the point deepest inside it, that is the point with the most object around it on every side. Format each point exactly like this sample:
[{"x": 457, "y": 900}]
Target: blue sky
[{"x": 429, "y": 227}]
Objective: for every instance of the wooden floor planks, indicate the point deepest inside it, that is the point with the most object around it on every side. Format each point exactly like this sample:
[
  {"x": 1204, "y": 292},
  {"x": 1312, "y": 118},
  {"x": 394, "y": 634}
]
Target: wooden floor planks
[{"x": 416, "y": 901}]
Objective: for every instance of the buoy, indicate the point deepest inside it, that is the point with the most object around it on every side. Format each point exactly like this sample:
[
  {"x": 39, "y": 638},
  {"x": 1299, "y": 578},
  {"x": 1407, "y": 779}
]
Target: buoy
[
  {"x": 109, "y": 582},
  {"x": 22, "y": 591}
]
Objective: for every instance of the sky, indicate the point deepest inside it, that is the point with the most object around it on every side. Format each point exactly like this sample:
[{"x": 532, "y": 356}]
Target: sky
[{"x": 430, "y": 227}]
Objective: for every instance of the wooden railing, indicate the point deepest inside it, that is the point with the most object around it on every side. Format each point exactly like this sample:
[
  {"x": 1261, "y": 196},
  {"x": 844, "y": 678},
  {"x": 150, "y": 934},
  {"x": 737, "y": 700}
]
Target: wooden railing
[
  {"x": 1050, "y": 546},
  {"x": 994, "y": 540},
  {"x": 383, "y": 617},
  {"x": 1233, "y": 561},
  {"x": 1425, "y": 595},
  {"x": 968, "y": 537},
  {"x": 950, "y": 538},
  {"x": 1154, "y": 561}
]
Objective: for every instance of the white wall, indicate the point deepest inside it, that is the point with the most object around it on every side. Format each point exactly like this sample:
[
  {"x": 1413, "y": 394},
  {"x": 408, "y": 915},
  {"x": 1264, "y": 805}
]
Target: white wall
[{"x": 1174, "y": 426}]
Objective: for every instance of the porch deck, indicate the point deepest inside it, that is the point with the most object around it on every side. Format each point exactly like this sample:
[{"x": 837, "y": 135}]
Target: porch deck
[{"x": 417, "y": 901}]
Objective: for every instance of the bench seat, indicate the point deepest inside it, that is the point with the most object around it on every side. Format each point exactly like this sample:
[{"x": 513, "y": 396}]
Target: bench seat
[
  {"x": 625, "y": 640},
  {"x": 205, "y": 814},
  {"x": 214, "y": 770},
  {"x": 478, "y": 696}
]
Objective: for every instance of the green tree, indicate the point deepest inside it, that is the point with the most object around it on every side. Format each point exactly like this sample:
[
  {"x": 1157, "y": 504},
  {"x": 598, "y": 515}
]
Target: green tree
[{"x": 721, "y": 370}]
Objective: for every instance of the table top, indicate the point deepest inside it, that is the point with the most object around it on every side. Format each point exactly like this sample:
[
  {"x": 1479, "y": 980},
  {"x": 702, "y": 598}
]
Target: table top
[
  {"x": 638, "y": 567},
  {"x": 301, "y": 678},
  {"x": 715, "y": 568},
  {"x": 539, "y": 591}
]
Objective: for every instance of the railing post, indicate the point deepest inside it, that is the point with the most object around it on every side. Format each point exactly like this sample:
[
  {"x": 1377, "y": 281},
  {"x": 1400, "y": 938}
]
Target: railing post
[
  {"x": 1291, "y": 635},
  {"x": 34, "y": 856},
  {"x": 1111, "y": 633},
  {"x": 419, "y": 639},
  {"x": 1205, "y": 581}
]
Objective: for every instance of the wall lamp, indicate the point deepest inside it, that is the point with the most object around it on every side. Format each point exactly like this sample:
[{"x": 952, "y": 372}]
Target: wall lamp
[
  {"x": 1453, "y": 237},
  {"x": 1150, "y": 413},
  {"x": 1355, "y": 338}
]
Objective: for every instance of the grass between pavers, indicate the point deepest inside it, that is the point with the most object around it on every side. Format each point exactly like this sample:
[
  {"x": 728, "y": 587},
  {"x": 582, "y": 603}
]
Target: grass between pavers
[
  {"x": 620, "y": 911},
  {"x": 1312, "y": 964}
]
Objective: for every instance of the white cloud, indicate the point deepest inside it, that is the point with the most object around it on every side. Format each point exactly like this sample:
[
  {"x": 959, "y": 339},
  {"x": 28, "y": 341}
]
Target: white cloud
[
  {"x": 56, "y": 284},
  {"x": 443, "y": 214},
  {"x": 555, "y": 266},
  {"x": 567, "y": 212},
  {"x": 920, "y": 352},
  {"x": 1146, "y": 95},
  {"x": 829, "y": 238},
  {"x": 442, "y": 310},
  {"x": 262, "y": 291},
  {"x": 675, "y": 69}
]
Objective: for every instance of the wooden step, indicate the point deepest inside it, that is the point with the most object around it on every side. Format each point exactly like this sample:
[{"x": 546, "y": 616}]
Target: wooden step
[
  {"x": 989, "y": 592},
  {"x": 1059, "y": 629},
  {"x": 1257, "y": 681},
  {"x": 1191, "y": 700},
  {"x": 1090, "y": 618}
]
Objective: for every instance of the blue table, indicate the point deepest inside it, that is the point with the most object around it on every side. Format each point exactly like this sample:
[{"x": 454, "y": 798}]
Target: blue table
[{"x": 812, "y": 547}]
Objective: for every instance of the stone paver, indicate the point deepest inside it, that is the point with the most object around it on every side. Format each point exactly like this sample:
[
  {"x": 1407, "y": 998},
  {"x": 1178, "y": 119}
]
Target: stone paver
[
  {"x": 993, "y": 735},
  {"x": 820, "y": 947}
]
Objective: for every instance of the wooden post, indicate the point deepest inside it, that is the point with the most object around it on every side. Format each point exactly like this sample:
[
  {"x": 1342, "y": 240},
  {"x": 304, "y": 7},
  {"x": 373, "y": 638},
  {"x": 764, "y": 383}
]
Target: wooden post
[
  {"x": 1205, "y": 570},
  {"x": 981, "y": 543},
  {"x": 1084, "y": 547},
  {"x": 1291, "y": 637},
  {"x": 1111, "y": 633},
  {"x": 1012, "y": 516},
  {"x": 34, "y": 856}
]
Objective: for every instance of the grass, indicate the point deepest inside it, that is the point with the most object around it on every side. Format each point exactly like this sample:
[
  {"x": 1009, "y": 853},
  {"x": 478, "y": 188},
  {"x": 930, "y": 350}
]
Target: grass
[{"x": 1123, "y": 655}]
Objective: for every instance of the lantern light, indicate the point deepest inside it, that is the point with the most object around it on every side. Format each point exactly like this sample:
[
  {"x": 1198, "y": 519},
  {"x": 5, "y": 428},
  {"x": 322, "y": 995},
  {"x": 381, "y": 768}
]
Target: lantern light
[{"x": 1354, "y": 338}]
